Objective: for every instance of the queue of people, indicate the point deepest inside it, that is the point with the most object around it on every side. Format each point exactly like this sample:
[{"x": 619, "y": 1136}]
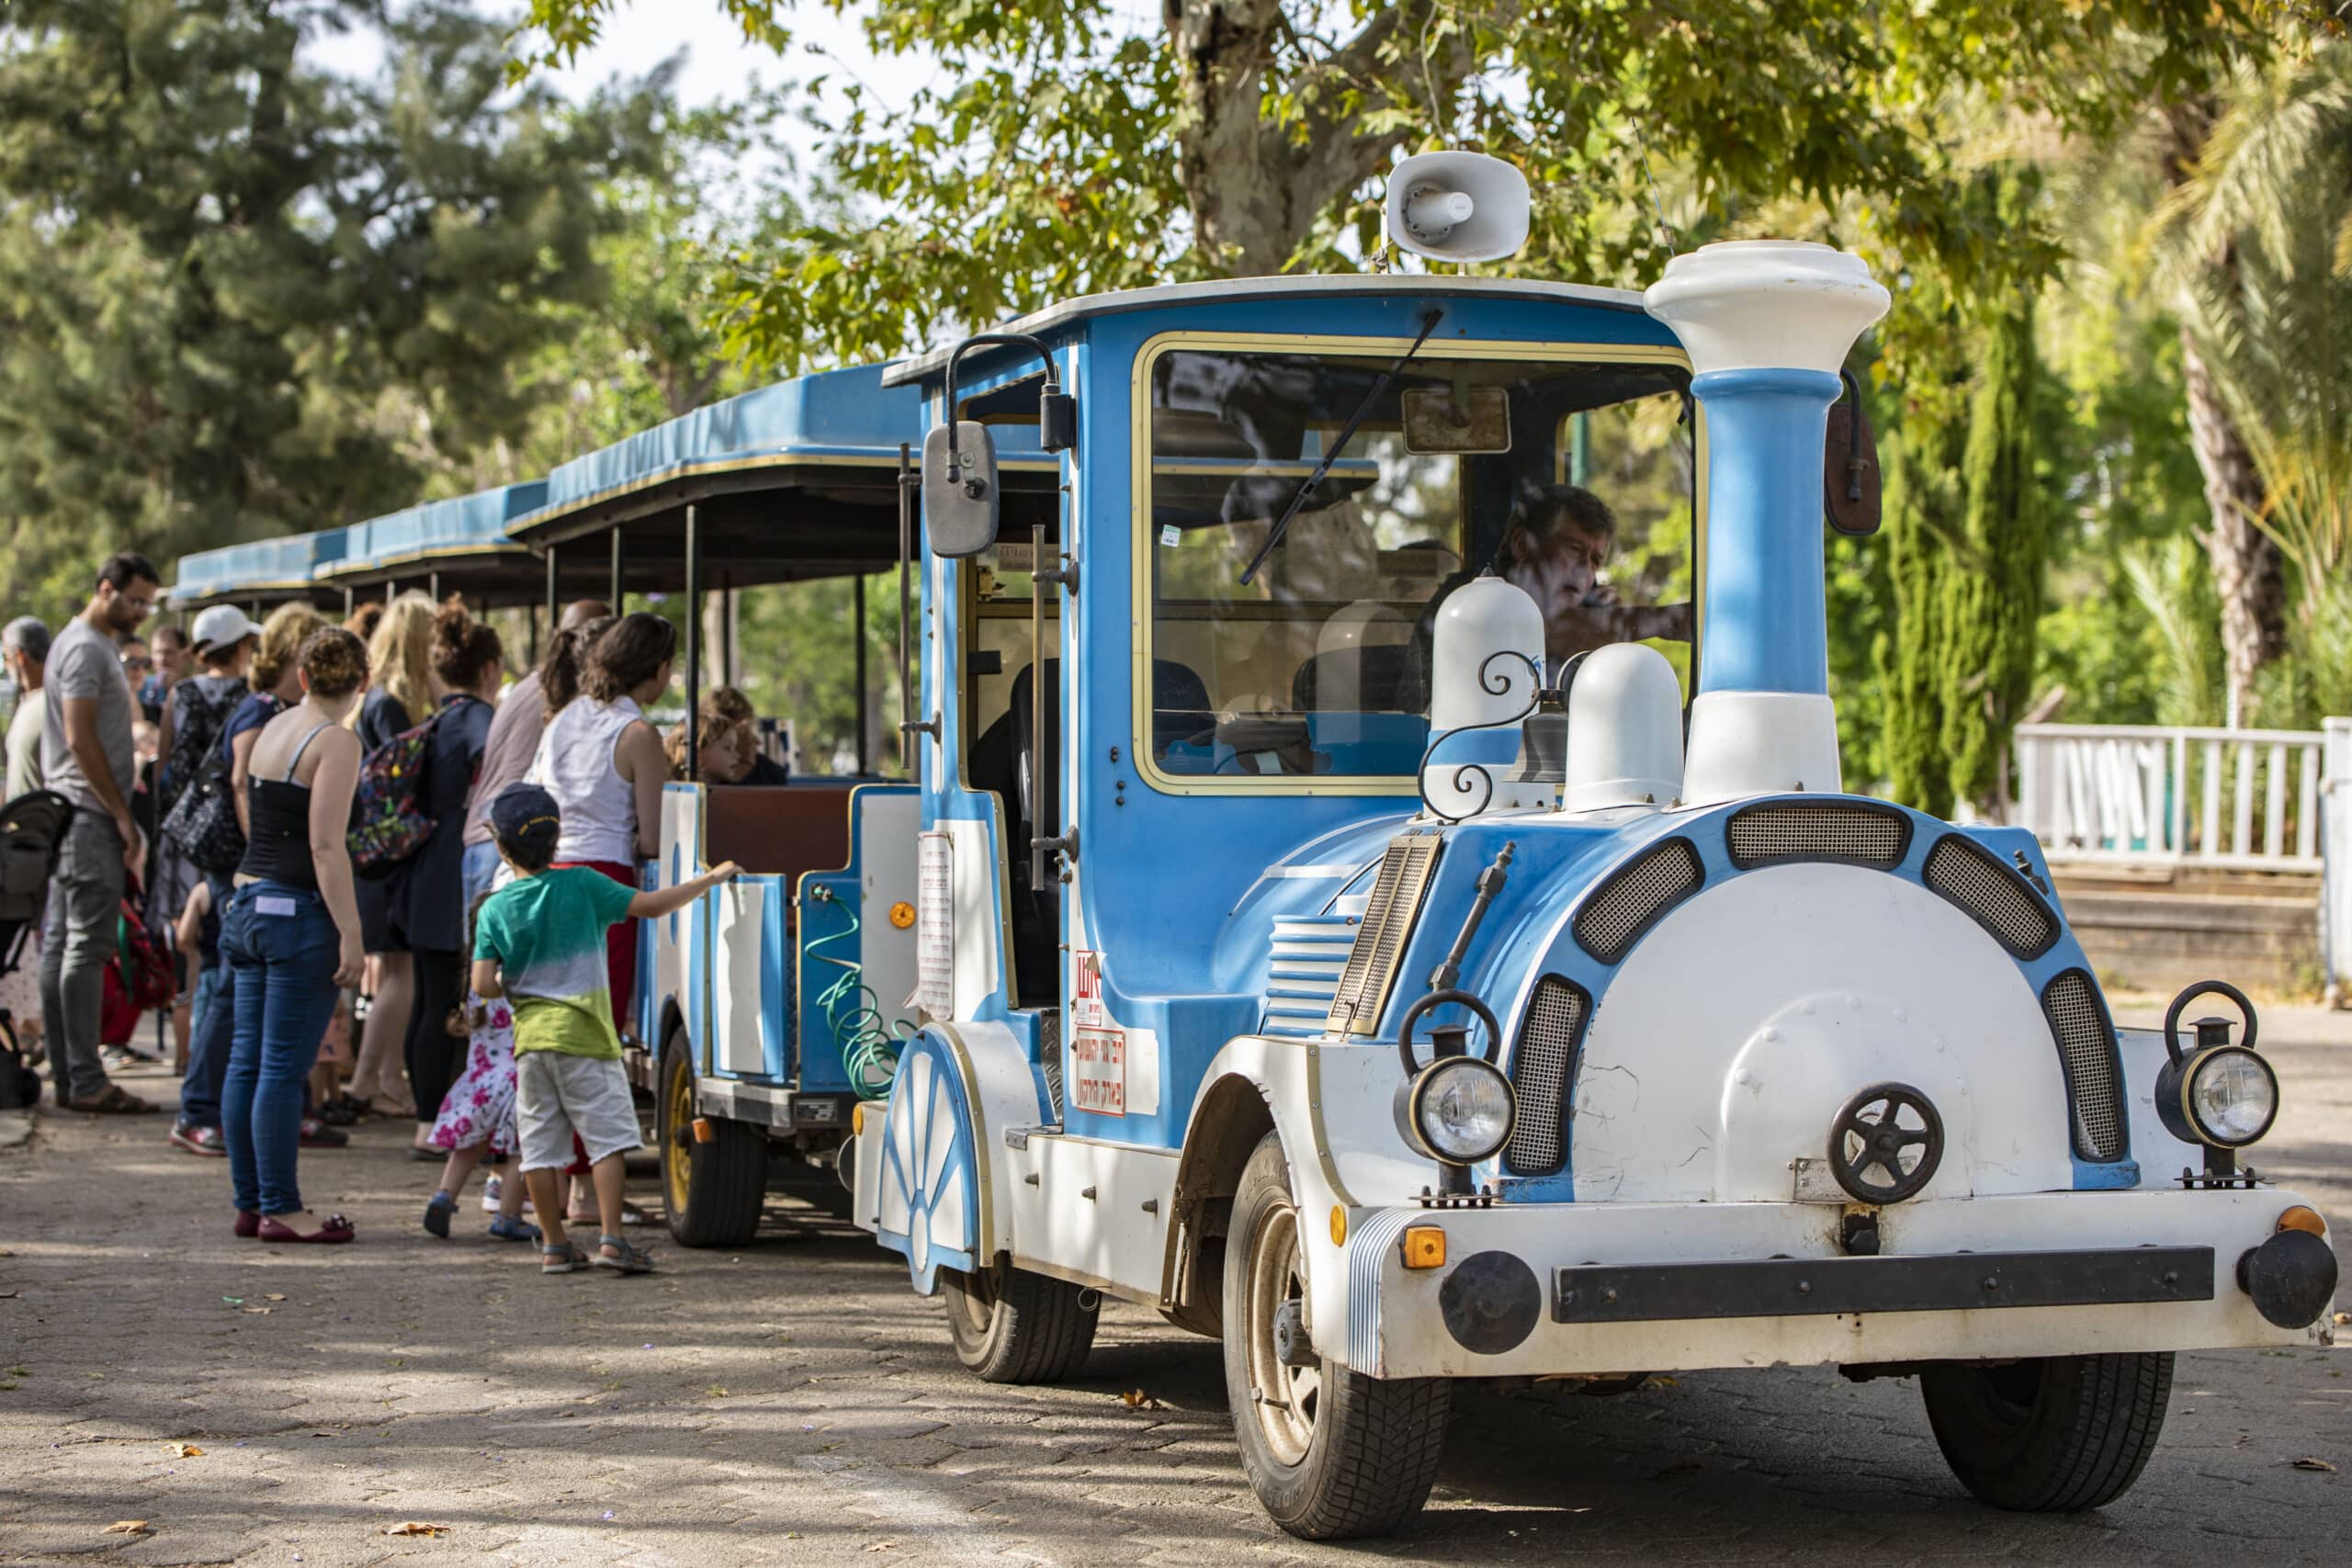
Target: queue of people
[{"x": 483, "y": 821}]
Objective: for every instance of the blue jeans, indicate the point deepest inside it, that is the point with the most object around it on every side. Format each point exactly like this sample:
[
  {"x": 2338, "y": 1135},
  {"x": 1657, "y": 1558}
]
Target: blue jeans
[
  {"x": 212, "y": 1028},
  {"x": 280, "y": 944},
  {"x": 481, "y": 866}
]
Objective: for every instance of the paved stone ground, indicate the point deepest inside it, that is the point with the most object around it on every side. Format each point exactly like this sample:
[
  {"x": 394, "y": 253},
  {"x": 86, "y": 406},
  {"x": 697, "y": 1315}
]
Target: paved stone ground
[{"x": 795, "y": 1402}]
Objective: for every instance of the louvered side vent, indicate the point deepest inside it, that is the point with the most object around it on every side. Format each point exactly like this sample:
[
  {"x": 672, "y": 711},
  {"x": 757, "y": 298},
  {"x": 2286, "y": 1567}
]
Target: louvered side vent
[
  {"x": 1539, "y": 1065},
  {"x": 1792, "y": 829},
  {"x": 1303, "y": 970},
  {"x": 1994, "y": 897},
  {"x": 2086, "y": 1039},
  {"x": 1628, "y": 902},
  {"x": 1388, "y": 918}
]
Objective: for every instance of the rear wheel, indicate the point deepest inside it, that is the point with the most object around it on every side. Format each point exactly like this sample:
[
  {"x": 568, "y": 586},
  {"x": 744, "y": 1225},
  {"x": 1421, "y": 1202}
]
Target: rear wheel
[
  {"x": 712, "y": 1190},
  {"x": 1330, "y": 1453},
  {"x": 1011, "y": 1326},
  {"x": 2053, "y": 1435}
]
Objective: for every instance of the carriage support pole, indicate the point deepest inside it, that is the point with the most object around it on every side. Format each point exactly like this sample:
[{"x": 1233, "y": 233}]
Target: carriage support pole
[
  {"x": 858, "y": 630},
  {"x": 693, "y": 643},
  {"x": 906, "y": 567},
  {"x": 619, "y": 606}
]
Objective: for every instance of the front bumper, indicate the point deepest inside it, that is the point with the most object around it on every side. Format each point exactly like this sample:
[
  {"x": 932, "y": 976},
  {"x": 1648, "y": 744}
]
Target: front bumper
[{"x": 1539, "y": 1289}]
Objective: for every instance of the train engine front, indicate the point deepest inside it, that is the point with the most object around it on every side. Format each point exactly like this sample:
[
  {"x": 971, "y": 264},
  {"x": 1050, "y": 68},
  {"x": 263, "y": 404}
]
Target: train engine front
[{"x": 1716, "y": 1065}]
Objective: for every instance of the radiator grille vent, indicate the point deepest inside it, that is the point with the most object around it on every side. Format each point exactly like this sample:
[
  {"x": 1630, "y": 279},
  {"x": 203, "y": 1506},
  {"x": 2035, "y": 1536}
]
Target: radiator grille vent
[
  {"x": 1862, "y": 835},
  {"x": 1540, "y": 1066},
  {"x": 1630, "y": 902},
  {"x": 2087, "y": 1048},
  {"x": 1994, "y": 897},
  {"x": 1049, "y": 1056},
  {"x": 1389, "y": 916}
]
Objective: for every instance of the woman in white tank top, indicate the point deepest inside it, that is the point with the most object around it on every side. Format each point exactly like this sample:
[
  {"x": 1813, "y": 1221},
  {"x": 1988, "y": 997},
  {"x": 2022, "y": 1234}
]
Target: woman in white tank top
[{"x": 604, "y": 766}]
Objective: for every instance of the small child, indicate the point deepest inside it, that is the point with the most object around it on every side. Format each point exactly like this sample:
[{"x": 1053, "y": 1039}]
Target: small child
[
  {"x": 478, "y": 1114},
  {"x": 540, "y": 942}
]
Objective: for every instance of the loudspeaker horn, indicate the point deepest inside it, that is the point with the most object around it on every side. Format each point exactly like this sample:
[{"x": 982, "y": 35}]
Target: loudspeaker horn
[{"x": 1457, "y": 207}]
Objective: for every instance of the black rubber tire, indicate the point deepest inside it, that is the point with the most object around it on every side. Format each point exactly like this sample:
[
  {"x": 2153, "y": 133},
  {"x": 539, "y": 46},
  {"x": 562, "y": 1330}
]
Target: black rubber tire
[
  {"x": 2055, "y": 1435},
  {"x": 712, "y": 1192},
  {"x": 1377, "y": 1441},
  {"x": 1011, "y": 1326}
]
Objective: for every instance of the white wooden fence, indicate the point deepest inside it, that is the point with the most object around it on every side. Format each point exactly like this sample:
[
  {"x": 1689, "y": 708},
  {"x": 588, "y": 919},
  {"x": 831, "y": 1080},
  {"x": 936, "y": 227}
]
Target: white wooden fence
[
  {"x": 2335, "y": 842},
  {"x": 2134, "y": 794}
]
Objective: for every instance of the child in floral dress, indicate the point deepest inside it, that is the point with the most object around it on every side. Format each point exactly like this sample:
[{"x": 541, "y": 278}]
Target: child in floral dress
[{"x": 477, "y": 1119}]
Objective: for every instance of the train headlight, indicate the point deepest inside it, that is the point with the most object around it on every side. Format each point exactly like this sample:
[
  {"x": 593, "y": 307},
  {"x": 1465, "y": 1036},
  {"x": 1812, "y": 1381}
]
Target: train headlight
[
  {"x": 2231, "y": 1095},
  {"x": 1461, "y": 1109}
]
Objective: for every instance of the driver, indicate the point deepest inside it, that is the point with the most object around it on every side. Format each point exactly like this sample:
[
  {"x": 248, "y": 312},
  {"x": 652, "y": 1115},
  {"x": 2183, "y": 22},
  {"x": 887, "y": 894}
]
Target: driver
[{"x": 1554, "y": 547}]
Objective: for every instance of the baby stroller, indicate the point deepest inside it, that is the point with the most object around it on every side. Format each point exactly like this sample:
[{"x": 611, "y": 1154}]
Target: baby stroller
[{"x": 32, "y": 834}]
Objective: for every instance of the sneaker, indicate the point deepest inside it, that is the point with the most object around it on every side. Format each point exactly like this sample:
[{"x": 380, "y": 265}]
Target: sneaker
[
  {"x": 490, "y": 1192},
  {"x": 317, "y": 1134},
  {"x": 200, "y": 1141}
]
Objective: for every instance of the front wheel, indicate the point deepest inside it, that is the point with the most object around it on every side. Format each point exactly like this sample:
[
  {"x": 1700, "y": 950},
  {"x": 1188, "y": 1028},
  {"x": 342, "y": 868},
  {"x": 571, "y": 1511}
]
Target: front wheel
[
  {"x": 1011, "y": 1326},
  {"x": 2053, "y": 1435},
  {"x": 1330, "y": 1453},
  {"x": 713, "y": 1190}
]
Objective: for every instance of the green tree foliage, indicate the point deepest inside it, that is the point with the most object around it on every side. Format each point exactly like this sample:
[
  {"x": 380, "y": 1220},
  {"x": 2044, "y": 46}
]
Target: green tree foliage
[
  {"x": 1924, "y": 507},
  {"x": 1059, "y": 152},
  {"x": 243, "y": 295}
]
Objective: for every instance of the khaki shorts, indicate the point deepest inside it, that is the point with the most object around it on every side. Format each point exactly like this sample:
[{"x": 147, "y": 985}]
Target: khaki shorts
[{"x": 558, "y": 1094}]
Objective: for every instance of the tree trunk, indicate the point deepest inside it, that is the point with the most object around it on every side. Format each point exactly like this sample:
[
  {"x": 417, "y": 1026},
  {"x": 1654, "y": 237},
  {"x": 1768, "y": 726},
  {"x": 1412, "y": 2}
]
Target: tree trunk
[
  {"x": 1256, "y": 184},
  {"x": 2249, "y": 574}
]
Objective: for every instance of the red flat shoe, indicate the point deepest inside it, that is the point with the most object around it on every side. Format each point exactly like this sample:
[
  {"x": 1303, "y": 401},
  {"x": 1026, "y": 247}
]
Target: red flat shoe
[
  {"x": 248, "y": 1224},
  {"x": 333, "y": 1230}
]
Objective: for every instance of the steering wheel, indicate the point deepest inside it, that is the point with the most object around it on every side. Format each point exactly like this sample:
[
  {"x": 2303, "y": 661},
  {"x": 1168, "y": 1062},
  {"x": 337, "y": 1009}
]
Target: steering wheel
[
  {"x": 1431, "y": 1002},
  {"x": 1882, "y": 1139},
  {"x": 2180, "y": 1004}
]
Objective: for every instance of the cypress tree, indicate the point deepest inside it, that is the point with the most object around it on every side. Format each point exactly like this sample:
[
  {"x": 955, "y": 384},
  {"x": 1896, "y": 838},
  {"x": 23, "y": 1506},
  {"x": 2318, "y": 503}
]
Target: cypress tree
[{"x": 1922, "y": 505}]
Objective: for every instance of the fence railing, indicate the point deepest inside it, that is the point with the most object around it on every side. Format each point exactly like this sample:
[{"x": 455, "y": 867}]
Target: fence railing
[{"x": 2243, "y": 799}]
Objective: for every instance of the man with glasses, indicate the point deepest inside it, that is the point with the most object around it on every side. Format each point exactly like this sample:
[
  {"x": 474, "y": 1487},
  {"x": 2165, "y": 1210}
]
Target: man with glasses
[{"x": 86, "y": 757}]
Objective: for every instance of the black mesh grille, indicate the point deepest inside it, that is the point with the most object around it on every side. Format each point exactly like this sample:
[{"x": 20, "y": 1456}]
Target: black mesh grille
[
  {"x": 1540, "y": 1066},
  {"x": 2086, "y": 1039},
  {"x": 1994, "y": 897},
  {"x": 1630, "y": 902},
  {"x": 1792, "y": 829}
]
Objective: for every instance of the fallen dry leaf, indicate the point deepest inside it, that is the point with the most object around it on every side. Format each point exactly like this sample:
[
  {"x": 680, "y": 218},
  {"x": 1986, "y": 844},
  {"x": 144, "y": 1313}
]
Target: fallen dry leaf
[
  {"x": 417, "y": 1526},
  {"x": 183, "y": 1451},
  {"x": 257, "y": 1311},
  {"x": 881, "y": 1546},
  {"x": 2341, "y": 1318},
  {"x": 1137, "y": 1399},
  {"x": 129, "y": 1527},
  {"x": 275, "y": 1296},
  {"x": 2319, "y": 1465}
]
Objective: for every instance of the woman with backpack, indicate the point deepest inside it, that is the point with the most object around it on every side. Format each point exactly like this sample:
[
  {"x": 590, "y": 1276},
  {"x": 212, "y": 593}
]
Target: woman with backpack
[
  {"x": 196, "y": 721},
  {"x": 424, "y": 895},
  {"x": 399, "y": 677}
]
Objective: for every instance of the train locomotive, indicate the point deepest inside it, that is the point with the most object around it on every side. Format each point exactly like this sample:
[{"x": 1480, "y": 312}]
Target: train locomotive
[{"x": 1308, "y": 946}]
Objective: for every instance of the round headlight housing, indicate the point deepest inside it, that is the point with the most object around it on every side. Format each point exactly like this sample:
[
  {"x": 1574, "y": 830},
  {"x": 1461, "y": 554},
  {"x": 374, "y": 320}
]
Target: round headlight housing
[
  {"x": 1461, "y": 1109},
  {"x": 2231, "y": 1095}
]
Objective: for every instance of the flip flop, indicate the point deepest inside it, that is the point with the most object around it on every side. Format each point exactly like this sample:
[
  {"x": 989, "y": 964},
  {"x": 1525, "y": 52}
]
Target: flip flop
[{"x": 333, "y": 1231}]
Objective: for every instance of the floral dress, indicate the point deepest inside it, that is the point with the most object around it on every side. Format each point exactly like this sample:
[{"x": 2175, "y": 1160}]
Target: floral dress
[{"x": 479, "y": 1107}]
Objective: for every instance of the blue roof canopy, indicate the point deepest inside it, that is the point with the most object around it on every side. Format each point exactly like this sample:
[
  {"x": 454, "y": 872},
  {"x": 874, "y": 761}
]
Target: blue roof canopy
[
  {"x": 464, "y": 540},
  {"x": 263, "y": 570}
]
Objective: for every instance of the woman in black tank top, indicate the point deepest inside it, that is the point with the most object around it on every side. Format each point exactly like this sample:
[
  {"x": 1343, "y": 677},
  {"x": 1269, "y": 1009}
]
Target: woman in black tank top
[{"x": 291, "y": 937}]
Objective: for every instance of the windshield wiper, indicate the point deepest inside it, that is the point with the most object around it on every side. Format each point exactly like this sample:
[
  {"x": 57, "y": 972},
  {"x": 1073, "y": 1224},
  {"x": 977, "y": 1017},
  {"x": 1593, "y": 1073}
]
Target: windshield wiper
[{"x": 1332, "y": 453}]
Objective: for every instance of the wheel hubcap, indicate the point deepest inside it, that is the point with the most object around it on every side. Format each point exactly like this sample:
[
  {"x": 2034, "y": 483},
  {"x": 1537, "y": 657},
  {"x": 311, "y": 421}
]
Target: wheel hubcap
[
  {"x": 1285, "y": 1399},
  {"x": 676, "y": 1155}
]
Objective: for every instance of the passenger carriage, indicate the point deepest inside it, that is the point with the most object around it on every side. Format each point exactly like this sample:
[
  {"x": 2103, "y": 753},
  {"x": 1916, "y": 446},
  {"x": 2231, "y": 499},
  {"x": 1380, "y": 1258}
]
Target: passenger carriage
[{"x": 1329, "y": 969}]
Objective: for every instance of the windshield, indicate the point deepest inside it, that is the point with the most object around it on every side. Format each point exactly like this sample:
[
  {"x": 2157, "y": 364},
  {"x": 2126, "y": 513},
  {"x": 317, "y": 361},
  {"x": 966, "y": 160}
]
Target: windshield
[{"x": 1572, "y": 477}]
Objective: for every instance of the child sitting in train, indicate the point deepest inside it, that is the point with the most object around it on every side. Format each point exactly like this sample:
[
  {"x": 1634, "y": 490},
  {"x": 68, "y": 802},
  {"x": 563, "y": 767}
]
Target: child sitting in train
[{"x": 539, "y": 945}]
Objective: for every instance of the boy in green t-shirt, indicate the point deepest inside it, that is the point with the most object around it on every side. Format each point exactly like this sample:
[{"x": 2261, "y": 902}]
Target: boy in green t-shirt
[{"x": 540, "y": 941}]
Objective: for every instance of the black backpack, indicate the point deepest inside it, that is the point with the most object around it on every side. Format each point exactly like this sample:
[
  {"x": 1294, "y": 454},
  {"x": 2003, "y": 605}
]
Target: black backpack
[{"x": 197, "y": 724}]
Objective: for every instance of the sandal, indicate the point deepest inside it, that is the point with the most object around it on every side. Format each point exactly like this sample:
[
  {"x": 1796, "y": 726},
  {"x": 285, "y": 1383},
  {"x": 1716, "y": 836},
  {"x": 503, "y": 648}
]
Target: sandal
[
  {"x": 116, "y": 1101},
  {"x": 633, "y": 1259},
  {"x": 316, "y": 1134},
  {"x": 505, "y": 1229},
  {"x": 338, "y": 1112},
  {"x": 333, "y": 1231},
  {"x": 561, "y": 1258},
  {"x": 437, "y": 1210}
]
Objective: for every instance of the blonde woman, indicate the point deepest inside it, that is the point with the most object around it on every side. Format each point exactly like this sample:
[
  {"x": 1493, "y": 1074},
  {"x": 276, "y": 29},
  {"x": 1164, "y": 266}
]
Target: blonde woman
[{"x": 399, "y": 696}]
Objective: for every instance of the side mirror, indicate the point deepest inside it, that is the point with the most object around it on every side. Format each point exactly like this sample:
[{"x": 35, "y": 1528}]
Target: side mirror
[
  {"x": 1850, "y": 475},
  {"x": 959, "y": 496}
]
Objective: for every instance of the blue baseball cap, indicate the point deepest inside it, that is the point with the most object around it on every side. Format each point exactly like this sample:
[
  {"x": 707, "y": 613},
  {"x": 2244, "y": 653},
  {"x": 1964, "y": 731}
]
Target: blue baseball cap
[{"x": 524, "y": 815}]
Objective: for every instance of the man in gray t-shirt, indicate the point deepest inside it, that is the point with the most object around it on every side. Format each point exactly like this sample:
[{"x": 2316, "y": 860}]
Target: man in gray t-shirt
[
  {"x": 86, "y": 757},
  {"x": 24, "y": 642}
]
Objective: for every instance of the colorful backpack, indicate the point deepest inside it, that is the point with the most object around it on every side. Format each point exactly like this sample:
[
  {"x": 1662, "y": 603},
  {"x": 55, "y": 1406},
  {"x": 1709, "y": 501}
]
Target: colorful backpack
[{"x": 388, "y": 819}]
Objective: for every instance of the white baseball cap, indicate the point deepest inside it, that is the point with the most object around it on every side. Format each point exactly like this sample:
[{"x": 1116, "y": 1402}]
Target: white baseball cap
[{"x": 221, "y": 626}]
